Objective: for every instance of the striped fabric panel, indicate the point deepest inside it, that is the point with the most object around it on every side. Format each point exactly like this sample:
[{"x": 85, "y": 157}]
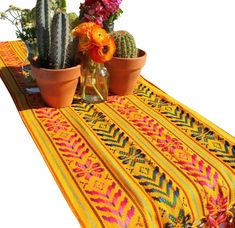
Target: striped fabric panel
[{"x": 143, "y": 160}]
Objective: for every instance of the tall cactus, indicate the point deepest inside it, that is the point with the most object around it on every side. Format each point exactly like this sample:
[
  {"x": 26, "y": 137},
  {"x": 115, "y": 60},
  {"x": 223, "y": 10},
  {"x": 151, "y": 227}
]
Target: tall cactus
[
  {"x": 43, "y": 30},
  {"x": 125, "y": 43},
  {"x": 72, "y": 57},
  {"x": 60, "y": 39},
  {"x": 55, "y": 45}
]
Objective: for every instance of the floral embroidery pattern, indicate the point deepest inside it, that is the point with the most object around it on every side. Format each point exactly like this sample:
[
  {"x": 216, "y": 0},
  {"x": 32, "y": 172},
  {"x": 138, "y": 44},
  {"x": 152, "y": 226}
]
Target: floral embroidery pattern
[
  {"x": 169, "y": 144},
  {"x": 181, "y": 221},
  {"x": 88, "y": 170},
  {"x": 218, "y": 209},
  {"x": 56, "y": 125},
  {"x": 133, "y": 156},
  {"x": 96, "y": 117},
  {"x": 204, "y": 134},
  {"x": 127, "y": 110}
]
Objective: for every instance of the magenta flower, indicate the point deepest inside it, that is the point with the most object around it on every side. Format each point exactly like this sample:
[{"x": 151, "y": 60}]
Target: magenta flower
[{"x": 100, "y": 11}]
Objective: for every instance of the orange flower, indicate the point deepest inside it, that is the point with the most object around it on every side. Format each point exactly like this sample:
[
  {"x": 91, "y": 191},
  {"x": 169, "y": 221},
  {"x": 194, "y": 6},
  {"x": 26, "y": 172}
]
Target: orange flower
[
  {"x": 99, "y": 36},
  {"x": 95, "y": 40},
  {"x": 83, "y": 28},
  {"x": 103, "y": 53},
  {"x": 84, "y": 43}
]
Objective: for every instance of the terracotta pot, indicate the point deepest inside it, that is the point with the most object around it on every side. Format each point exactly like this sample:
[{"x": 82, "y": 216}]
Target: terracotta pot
[
  {"x": 124, "y": 73},
  {"x": 57, "y": 87}
]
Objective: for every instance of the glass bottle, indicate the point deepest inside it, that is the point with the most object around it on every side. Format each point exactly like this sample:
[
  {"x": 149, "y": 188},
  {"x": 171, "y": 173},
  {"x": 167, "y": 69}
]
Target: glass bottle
[{"x": 94, "y": 81}]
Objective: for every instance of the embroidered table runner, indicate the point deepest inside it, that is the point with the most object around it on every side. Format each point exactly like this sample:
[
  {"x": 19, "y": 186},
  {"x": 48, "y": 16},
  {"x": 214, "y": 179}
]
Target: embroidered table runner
[{"x": 143, "y": 160}]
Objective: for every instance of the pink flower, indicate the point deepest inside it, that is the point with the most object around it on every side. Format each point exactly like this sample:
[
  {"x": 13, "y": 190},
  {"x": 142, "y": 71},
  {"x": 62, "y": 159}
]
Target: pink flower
[
  {"x": 111, "y": 5},
  {"x": 89, "y": 2},
  {"x": 99, "y": 11}
]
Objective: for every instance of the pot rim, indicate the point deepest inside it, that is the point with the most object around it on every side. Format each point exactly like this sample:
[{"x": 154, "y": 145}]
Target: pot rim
[
  {"x": 35, "y": 65},
  {"x": 122, "y": 64},
  {"x": 143, "y": 55}
]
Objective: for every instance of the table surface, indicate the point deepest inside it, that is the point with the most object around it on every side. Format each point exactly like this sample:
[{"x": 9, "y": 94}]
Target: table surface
[
  {"x": 204, "y": 51},
  {"x": 31, "y": 202},
  {"x": 49, "y": 202}
]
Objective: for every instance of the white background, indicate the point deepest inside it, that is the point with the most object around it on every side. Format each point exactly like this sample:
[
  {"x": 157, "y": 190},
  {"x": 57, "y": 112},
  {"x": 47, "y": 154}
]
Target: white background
[{"x": 191, "y": 56}]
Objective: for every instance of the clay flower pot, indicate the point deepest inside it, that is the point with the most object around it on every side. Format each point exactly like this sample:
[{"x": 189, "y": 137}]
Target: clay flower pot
[
  {"x": 124, "y": 73},
  {"x": 57, "y": 87}
]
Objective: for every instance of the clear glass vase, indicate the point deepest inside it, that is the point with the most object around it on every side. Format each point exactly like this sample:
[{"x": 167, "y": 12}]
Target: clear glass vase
[{"x": 94, "y": 81}]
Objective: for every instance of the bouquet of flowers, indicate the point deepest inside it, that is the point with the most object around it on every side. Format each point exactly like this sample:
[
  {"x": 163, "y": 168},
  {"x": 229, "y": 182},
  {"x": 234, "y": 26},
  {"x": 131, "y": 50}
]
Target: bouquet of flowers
[
  {"x": 97, "y": 47},
  {"x": 102, "y": 12},
  {"x": 94, "y": 41}
]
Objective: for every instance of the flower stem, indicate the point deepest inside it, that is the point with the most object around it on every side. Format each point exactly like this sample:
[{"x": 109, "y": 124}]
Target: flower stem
[
  {"x": 97, "y": 91},
  {"x": 92, "y": 70},
  {"x": 84, "y": 87},
  {"x": 95, "y": 67}
]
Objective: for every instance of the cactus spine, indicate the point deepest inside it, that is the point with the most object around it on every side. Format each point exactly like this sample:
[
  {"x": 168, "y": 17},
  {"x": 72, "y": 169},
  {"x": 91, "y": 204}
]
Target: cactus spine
[
  {"x": 125, "y": 43},
  {"x": 43, "y": 30},
  {"x": 53, "y": 37},
  {"x": 59, "y": 40}
]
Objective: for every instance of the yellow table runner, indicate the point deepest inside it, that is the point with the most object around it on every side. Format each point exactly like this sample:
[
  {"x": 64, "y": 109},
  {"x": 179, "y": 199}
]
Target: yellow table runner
[{"x": 143, "y": 160}]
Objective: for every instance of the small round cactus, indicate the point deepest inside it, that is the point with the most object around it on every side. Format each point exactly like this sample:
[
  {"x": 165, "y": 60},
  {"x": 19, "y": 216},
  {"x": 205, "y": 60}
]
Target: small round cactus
[{"x": 125, "y": 44}]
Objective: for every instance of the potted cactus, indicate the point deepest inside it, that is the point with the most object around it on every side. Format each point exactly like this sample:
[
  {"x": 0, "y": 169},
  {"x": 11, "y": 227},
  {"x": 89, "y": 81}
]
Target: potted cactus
[
  {"x": 55, "y": 69},
  {"x": 124, "y": 68}
]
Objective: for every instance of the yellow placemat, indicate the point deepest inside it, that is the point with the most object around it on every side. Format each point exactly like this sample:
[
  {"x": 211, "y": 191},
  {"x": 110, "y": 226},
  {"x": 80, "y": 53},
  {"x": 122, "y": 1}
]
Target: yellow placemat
[{"x": 143, "y": 160}]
